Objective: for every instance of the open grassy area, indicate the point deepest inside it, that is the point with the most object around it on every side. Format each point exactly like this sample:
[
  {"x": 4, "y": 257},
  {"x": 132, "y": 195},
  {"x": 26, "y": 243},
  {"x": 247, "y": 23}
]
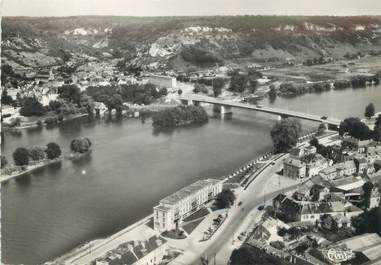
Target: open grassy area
[
  {"x": 198, "y": 214},
  {"x": 174, "y": 234},
  {"x": 192, "y": 226}
]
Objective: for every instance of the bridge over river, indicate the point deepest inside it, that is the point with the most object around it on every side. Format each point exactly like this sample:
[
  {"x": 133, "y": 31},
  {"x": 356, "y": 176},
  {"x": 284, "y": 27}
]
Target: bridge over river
[{"x": 224, "y": 106}]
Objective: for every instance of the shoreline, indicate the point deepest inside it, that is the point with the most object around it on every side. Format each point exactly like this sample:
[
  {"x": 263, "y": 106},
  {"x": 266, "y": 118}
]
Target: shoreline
[
  {"x": 42, "y": 164},
  {"x": 6, "y": 178},
  {"x": 34, "y": 124}
]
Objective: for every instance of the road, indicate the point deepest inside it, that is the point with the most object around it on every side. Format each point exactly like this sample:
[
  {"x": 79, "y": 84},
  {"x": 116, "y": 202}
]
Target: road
[{"x": 270, "y": 110}]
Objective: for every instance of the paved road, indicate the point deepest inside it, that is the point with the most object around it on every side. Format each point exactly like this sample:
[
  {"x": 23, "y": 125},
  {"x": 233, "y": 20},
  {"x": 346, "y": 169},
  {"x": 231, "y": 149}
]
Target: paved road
[{"x": 251, "y": 199}]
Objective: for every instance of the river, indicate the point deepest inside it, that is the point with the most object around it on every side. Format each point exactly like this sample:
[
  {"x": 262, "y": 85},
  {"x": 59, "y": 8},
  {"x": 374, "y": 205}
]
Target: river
[{"x": 51, "y": 211}]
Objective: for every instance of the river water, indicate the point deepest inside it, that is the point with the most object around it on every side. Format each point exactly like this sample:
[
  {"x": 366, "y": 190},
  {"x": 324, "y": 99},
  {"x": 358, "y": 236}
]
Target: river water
[{"x": 132, "y": 167}]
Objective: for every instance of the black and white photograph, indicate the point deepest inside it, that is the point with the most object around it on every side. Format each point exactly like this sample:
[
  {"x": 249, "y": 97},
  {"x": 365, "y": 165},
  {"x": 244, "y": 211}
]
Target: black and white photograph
[{"x": 202, "y": 132}]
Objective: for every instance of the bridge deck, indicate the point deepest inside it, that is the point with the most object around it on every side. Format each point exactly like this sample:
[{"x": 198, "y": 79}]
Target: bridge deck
[{"x": 275, "y": 111}]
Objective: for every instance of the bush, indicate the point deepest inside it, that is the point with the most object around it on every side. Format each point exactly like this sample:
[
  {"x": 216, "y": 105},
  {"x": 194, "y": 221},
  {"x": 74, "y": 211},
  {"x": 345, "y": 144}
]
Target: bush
[
  {"x": 80, "y": 145},
  {"x": 51, "y": 120},
  {"x": 4, "y": 161},
  {"x": 60, "y": 117}
]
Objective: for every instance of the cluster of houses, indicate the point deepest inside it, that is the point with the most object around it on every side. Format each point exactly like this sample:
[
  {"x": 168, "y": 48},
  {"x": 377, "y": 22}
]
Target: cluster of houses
[
  {"x": 144, "y": 252},
  {"x": 43, "y": 83},
  {"x": 313, "y": 225}
]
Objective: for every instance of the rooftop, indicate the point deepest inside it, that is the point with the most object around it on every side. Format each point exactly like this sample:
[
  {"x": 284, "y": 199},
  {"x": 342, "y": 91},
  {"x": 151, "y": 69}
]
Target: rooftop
[{"x": 189, "y": 190}]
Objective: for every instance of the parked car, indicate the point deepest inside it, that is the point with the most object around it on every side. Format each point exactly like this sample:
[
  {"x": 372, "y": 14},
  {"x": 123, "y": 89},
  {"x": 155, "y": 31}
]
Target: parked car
[
  {"x": 261, "y": 207},
  {"x": 240, "y": 203},
  {"x": 259, "y": 106},
  {"x": 324, "y": 117}
]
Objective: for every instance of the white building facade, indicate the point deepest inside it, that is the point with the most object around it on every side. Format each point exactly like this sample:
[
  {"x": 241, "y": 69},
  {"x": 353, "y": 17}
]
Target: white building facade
[{"x": 174, "y": 208}]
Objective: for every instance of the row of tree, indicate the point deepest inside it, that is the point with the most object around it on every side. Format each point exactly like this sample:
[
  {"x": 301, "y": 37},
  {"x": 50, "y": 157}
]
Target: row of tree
[{"x": 22, "y": 155}]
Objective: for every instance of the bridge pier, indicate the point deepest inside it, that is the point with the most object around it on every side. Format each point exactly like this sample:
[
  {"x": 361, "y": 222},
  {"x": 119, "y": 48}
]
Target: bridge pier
[
  {"x": 221, "y": 109},
  {"x": 190, "y": 102},
  {"x": 184, "y": 101},
  {"x": 196, "y": 103}
]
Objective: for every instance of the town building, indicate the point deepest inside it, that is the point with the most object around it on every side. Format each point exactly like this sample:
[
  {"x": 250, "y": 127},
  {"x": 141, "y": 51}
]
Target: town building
[
  {"x": 359, "y": 145},
  {"x": 348, "y": 183},
  {"x": 290, "y": 210},
  {"x": 147, "y": 252},
  {"x": 162, "y": 81},
  {"x": 374, "y": 200},
  {"x": 174, "y": 208},
  {"x": 299, "y": 152},
  {"x": 313, "y": 211},
  {"x": 314, "y": 164},
  {"x": 373, "y": 152},
  {"x": 294, "y": 168},
  {"x": 339, "y": 170}
]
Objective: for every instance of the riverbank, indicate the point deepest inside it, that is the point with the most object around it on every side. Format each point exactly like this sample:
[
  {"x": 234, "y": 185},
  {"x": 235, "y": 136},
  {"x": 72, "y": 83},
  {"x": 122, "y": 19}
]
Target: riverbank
[
  {"x": 29, "y": 169},
  {"x": 41, "y": 122},
  {"x": 18, "y": 171}
]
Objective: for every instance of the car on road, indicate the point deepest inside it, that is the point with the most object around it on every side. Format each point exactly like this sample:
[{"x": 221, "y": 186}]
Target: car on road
[
  {"x": 240, "y": 203},
  {"x": 259, "y": 106},
  {"x": 324, "y": 117},
  {"x": 272, "y": 163},
  {"x": 261, "y": 207}
]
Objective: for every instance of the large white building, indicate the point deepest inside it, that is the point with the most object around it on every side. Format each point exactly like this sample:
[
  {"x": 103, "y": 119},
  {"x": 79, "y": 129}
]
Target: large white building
[
  {"x": 162, "y": 81},
  {"x": 174, "y": 208}
]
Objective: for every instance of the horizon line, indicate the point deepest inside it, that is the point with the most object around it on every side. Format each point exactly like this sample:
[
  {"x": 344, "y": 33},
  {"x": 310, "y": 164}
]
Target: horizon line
[{"x": 178, "y": 16}]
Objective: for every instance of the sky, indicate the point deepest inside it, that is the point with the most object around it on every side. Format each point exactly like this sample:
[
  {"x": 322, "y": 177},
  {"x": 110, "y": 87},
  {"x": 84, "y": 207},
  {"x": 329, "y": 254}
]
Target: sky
[{"x": 188, "y": 7}]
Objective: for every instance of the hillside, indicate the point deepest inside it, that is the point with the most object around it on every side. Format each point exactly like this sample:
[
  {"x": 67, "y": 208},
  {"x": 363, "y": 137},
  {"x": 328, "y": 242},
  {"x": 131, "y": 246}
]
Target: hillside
[{"x": 178, "y": 42}]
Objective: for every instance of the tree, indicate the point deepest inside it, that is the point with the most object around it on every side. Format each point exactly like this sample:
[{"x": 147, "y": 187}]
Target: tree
[
  {"x": 4, "y": 161},
  {"x": 70, "y": 92},
  {"x": 218, "y": 84},
  {"x": 237, "y": 82},
  {"x": 367, "y": 189},
  {"x": 285, "y": 134},
  {"x": 377, "y": 129},
  {"x": 356, "y": 128},
  {"x": 37, "y": 153},
  {"x": 30, "y": 106},
  {"x": 368, "y": 222},
  {"x": 253, "y": 84},
  {"x": 6, "y": 99},
  {"x": 196, "y": 88},
  {"x": 53, "y": 150},
  {"x": 272, "y": 92},
  {"x": 80, "y": 145},
  {"x": 21, "y": 156},
  {"x": 322, "y": 128},
  {"x": 225, "y": 199},
  {"x": 369, "y": 111}
]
